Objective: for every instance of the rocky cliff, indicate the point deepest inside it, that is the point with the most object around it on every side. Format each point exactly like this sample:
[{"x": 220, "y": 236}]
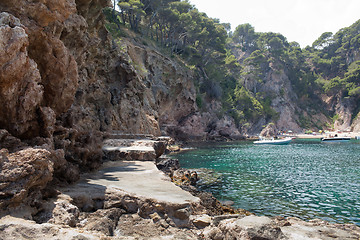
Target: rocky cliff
[
  {"x": 65, "y": 83},
  {"x": 269, "y": 81},
  {"x": 345, "y": 109}
]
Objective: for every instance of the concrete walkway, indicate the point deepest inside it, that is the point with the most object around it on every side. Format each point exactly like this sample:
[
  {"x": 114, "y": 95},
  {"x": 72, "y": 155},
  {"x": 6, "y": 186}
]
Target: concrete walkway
[{"x": 138, "y": 178}]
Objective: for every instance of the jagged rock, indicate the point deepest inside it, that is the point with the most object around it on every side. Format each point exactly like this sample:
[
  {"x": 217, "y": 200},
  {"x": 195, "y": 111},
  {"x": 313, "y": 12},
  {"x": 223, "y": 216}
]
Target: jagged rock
[
  {"x": 167, "y": 165},
  {"x": 184, "y": 177},
  {"x": 3, "y": 156},
  {"x": 65, "y": 213},
  {"x": 21, "y": 92},
  {"x": 9, "y": 142},
  {"x": 81, "y": 148},
  {"x": 103, "y": 220},
  {"x": 23, "y": 176},
  {"x": 155, "y": 217},
  {"x": 47, "y": 123},
  {"x": 205, "y": 126},
  {"x": 159, "y": 147}
]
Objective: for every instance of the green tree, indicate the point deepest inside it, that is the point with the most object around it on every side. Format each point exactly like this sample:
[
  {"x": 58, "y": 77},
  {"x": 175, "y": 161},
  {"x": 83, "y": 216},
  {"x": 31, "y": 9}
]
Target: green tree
[
  {"x": 245, "y": 36},
  {"x": 131, "y": 11},
  {"x": 325, "y": 40}
]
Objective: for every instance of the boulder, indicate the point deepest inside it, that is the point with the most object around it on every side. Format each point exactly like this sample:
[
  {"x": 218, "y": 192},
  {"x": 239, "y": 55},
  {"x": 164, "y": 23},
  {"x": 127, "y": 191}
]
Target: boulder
[
  {"x": 251, "y": 227},
  {"x": 201, "y": 221},
  {"x": 167, "y": 165},
  {"x": 65, "y": 213},
  {"x": 23, "y": 175}
]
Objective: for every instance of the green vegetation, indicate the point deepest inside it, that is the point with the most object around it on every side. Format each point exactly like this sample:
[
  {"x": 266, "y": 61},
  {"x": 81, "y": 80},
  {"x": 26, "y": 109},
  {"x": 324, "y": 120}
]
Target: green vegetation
[{"x": 330, "y": 66}]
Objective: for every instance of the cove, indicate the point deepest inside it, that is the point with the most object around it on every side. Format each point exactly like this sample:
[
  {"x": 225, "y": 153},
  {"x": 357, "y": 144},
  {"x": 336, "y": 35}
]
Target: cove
[{"x": 306, "y": 179}]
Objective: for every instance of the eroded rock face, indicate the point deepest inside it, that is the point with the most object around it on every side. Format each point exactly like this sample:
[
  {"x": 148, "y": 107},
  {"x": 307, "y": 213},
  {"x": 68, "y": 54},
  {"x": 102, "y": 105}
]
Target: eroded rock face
[
  {"x": 64, "y": 81},
  {"x": 88, "y": 81},
  {"x": 202, "y": 126},
  {"x": 37, "y": 69},
  {"x": 20, "y": 89},
  {"x": 24, "y": 174}
]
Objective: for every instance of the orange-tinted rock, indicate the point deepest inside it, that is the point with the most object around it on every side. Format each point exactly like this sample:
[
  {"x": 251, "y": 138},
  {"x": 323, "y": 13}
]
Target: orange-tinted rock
[
  {"x": 20, "y": 89},
  {"x": 24, "y": 174}
]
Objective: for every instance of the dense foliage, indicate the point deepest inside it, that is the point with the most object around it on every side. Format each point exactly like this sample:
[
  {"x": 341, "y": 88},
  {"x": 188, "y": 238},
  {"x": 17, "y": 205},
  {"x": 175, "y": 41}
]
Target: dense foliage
[
  {"x": 330, "y": 66},
  {"x": 336, "y": 60}
]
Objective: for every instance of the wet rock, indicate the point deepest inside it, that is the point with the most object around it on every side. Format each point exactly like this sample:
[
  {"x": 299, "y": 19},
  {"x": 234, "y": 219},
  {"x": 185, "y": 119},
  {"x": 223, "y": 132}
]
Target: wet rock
[
  {"x": 228, "y": 203},
  {"x": 167, "y": 165},
  {"x": 185, "y": 177}
]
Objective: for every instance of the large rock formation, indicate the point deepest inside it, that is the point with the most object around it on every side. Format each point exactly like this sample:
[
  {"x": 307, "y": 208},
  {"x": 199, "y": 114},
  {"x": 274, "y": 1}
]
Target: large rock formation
[
  {"x": 21, "y": 90},
  {"x": 24, "y": 174},
  {"x": 64, "y": 82},
  {"x": 272, "y": 80},
  {"x": 65, "y": 66}
]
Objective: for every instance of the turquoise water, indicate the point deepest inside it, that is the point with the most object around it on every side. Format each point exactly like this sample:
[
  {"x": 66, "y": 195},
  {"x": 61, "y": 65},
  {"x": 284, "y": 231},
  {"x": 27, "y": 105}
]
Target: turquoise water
[{"x": 306, "y": 179}]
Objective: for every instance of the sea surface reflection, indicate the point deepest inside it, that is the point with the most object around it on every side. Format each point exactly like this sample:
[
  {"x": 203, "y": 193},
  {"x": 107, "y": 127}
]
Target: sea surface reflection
[{"x": 306, "y": 179}]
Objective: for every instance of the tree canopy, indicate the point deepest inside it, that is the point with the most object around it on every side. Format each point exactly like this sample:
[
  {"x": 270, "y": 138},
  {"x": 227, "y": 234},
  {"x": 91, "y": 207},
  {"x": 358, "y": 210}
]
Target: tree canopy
[{"x": 330, "y": 66}]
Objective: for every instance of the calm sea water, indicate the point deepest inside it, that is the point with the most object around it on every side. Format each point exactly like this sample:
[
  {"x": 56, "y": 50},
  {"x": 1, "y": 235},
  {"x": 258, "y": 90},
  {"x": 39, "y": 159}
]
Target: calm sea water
[{"x": 306, "y": 179}]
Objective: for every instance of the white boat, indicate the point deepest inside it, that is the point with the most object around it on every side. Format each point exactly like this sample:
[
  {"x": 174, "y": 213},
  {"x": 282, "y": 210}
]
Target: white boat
[
  {"x": 336, "y": 139},
  {"x": 273, "y": 141}
]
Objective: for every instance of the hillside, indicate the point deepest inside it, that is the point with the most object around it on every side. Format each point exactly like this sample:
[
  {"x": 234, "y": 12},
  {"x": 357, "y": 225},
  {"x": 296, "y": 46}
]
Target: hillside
[
  {"x": 70, "y": 75},
  {"x": 255, "y": 78},
  {"x": 74, "y": 73}
]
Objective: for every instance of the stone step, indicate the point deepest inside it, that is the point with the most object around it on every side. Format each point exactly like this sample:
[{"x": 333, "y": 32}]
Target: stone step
[
  {"x": 119, "y": 135},
  {"x": 133, "y": 149}
]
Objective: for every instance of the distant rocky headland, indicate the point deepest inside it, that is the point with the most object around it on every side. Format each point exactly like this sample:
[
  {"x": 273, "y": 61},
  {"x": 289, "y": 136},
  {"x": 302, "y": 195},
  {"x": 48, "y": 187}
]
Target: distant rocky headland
[{"x": 81, "y": 109}]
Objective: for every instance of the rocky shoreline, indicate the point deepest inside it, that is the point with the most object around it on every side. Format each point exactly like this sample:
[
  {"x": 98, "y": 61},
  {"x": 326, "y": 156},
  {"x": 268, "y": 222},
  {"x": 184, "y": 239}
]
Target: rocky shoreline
[
  {"x": 66, "y": 84},
  {"x": 121, "y": 201}
]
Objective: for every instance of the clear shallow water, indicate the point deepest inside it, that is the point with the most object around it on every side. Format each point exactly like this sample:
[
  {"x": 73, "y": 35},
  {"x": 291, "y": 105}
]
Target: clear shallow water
[{"x": 306, "y": 179}]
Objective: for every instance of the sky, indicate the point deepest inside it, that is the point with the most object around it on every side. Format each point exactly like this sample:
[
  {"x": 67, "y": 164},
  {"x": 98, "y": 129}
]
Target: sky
[{"x": 302, "y": 21}]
